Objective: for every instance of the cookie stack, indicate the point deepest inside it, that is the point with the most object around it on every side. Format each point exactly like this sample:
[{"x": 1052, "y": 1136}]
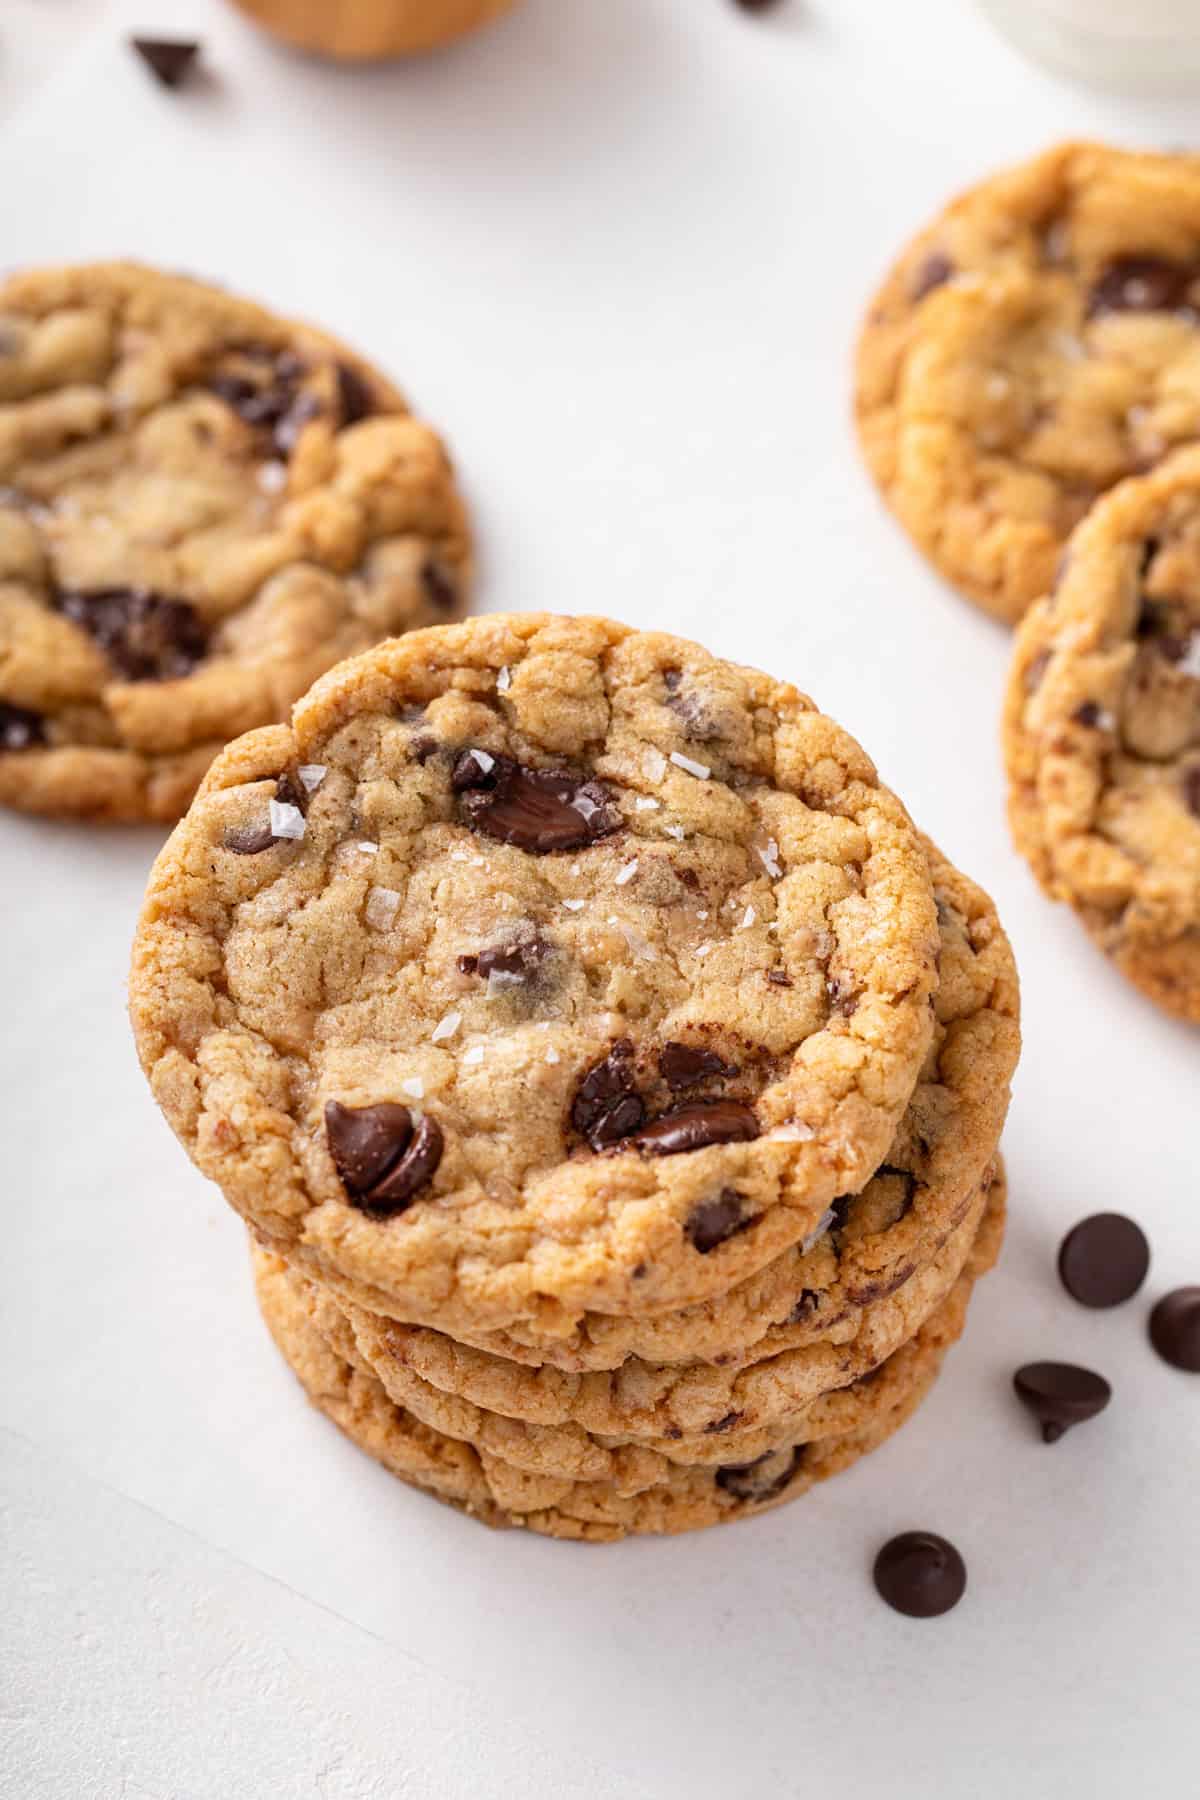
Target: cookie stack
[
  {"x": 611, "y": 1075},
  {"x": 1029, "y": 402}
]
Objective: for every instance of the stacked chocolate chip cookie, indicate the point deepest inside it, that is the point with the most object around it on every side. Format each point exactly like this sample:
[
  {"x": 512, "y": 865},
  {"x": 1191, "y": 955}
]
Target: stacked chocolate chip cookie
[{"x": 610, "y": 1073}]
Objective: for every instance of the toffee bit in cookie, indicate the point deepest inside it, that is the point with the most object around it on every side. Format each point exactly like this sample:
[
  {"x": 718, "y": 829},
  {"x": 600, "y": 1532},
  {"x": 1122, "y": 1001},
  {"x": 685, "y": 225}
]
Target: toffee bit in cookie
[
  {"x": 697, "y": 1126},
  {"x": 440, "y": 584},
  {"x": 713, "y": 1222},
  {"x": 763, "y": 1479},
  {"x": 169, "y": 59},
  {"x": 683, "y": 1065},
  {"x": 920, "y": 1574},
  {"x": 606, "y": 1107},
  {"x": 1175, "y": 1329},
  {"x": 535, "y": 810},
  {"x": 1103, "y": 1260},
  {"x": 145, "y": 636},
  {"x": 1143, "y": 284},
  {"x": 1060, "y": 1395},
  {"x": 20, "y": 727},
  {"x": 354, "y": 396},
  {"x": 933, "y": 273}
]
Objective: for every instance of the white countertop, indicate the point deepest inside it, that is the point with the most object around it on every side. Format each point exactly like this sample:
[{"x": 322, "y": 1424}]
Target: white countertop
[{"x": 616, "y": 250}]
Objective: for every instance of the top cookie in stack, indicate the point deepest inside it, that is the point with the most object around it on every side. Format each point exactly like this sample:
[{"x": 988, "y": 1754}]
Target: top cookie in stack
[{"x": 573, "y": 1031}]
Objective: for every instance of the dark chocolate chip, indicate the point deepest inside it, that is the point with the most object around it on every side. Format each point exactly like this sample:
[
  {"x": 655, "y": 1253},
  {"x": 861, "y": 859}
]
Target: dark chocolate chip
[
  {"x": 366, "y": 1141},
  {"x": 1191, "y": 789},
  {"x": 1103, "y": 1260},
  {"x": 355, "y": 398},
  {"x": 291, "y": 791},
  {"x": 505, "y": 959},
  {"x": 169, "y": 59},
  {"x": 683, "y": 1065},
  {"x": 697, "y": 1126},
  {"x": 842, "y": 998},
  {"x": 1175, "y": 1329},
  {"x": 805, "y": 1306},
  {"x": 422, "y": 748},
  {"x": 1141, "y": 284},
  {"x": 536, "y": 810},
  {"x": 763, "y": 1479},
  {"x": 714, "y": 1221},
  {"x": 778, "y": 978},
  {"x": 726, "y": 1422},
  {"x": 440, "y": 584},
  {"x": 933, "y": 273},
  {"x": 1088, "y": 714},
  {"x": 249, "y": 840},
  {"x": 145, "y": 636},
  {"x": 415, "y": 1170},
  {"x": 20, "y": 727},
  {"x": 920, "y": 1574},
  {"x": 270, "y": 401},
  {"x": 606, "y": 1108},
  {"x": 1060, "y": 1395},
  {"x": 1150, "y": 549},
  {"x": 672, "y": 679},
  {"x": 474, "y": 769}
]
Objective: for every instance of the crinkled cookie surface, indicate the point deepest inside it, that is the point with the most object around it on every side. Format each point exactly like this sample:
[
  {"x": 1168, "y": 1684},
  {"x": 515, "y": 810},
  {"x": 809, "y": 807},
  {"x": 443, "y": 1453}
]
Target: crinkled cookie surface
[{"x": 202, "y": 508}]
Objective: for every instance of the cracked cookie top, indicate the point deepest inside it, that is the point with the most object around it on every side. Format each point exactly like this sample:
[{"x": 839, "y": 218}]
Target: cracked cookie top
[
  {"x": 202, "y": 508},
  {"x": 1037, "y": 343},
  {"x": 1102, "y": 731},
  {"x": 539, "y": 964}
]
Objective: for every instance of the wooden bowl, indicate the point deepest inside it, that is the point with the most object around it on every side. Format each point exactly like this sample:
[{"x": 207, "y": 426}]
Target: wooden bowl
[{"x": 367, "y": 30}]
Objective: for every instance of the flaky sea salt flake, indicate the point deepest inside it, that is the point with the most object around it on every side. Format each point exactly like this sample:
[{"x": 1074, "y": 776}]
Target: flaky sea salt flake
[
  {"x": 818, "y": 1231},
  {"x": 644, "y": 803},
  {"x": 574, "y": 905},
  {"x": 414, "y": 1087},
  {"x": 474, "y": 1054},
  {"x": 445, "y": 1027},
  {"x": 748, "y": 918},
  {"x": 769, "y": 858},
  {"x": 286, "y": 821},
  {"x": 312, "y": 775},
  {"x": 504, "y": 680},
  {"x": 627, "y": 873},
  {"x": 700, "y": 770},
  {"x": 383, "y": 903}
]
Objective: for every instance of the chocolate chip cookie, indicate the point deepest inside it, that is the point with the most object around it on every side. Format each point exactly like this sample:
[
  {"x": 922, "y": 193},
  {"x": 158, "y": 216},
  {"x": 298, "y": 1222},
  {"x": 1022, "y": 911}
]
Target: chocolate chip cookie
[
  {"x": 1102, "y": 732},
  {"x": 868, "y": 1244},
  {"x": 496, "y": 1492},
  {"x": 599, "y": 1426},
  {"x": 539, "y": 963},
  {"x": 202, "y": 508},
  {"x": 1037, "y": 343}
]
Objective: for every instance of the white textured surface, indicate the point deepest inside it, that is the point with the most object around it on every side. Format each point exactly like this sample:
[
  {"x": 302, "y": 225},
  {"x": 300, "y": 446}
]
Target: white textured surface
[{"x": 616, "y": 248}]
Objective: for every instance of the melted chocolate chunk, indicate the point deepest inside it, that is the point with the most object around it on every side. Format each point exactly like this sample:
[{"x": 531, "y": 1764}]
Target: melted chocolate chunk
[
  {"x": 1103, "y": 1260},
  {"x": 249, "y": 840},
  {"x": 933, "y": 273},
  {"x": 683, "y": 1065},
  {"x": 440, "y": 584},
  {"x": 725, "y": 1423},
  {"x": 291, "y": 791},
  {"x": 1060, "y": 1395},
  {"x": 506, "y": 959},
  {"x": 763, "y": 1479},
  {"x": 842, "y": 998},
  {"x": 778, "y": 978},
  {"x": 920, "y": 1574},
  {"x": 697, "y": 1126},
  {"x": 1175, "y": 1329},
  {"x": 606, "y": 1108},
  {"x": 168, "y": 59},
  {"x": 271, "y": 401},
  {"x": 415, "y": 1170},
  {"x": 145, "y": 636},
  {"x": 805, "y": 1306},
  {"x": 536, "y": 810},
  {"x": 714, "y": 1221},
  {"x": 20, "y": 727},
  {"x": 355, "y": 398},
  {"x": 1191, "y": 789},
  {"x": 1089, "y": 715},
  {"x": 1142, "y": 284},
  {"x": 383, "y": 1163}
]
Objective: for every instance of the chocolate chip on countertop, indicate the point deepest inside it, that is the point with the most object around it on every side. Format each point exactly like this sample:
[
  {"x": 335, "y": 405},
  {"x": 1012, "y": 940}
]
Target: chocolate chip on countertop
[
  {"x": 20, "y": 727},
  {"x": 713, "y": 1222},
  {"x": 1060, "y": 1395},
  {"x": 606, "y": 1107},
  {"x": 1175, "y": 1329},
  {"x": 920, "y": 1574},
  {"x": 683, "y": 1065},
  {"x": 168, "y": 59},
  {"x": 145, "y": 636},
  {"x": 1103, "y": 1260},
  {"x": 697, "y": 1126},
  {"x": 536, "y": 810}
]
